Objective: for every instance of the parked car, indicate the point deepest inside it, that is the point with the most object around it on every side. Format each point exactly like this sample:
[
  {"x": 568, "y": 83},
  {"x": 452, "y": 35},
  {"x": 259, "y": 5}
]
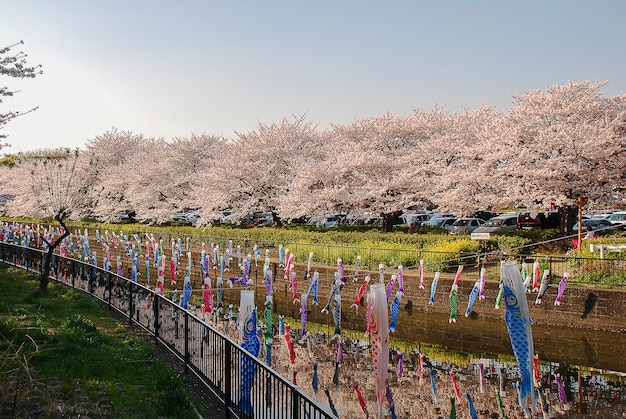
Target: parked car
[
  {"x": 417, "y": 219},
  {"x": 263, "y": 219},
  {"x": 527, "y": 221},
  {"x": 618, "y": 218},
  {"x": 439, "y": 220},
  {"x": 594, "y": 223},
  {"x": 127, "y": 216},
  {"x": 447, "y": 223},
  {"x": 323, "y": 221},
  {"x": 502, "y": 222},
  {"x": 186, "y": 218},
  {"x": 466, "y": 225}
]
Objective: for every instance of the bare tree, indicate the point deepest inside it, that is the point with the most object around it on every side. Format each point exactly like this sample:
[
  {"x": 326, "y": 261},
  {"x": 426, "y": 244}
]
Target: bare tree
[{"x": 14, "y": 65}]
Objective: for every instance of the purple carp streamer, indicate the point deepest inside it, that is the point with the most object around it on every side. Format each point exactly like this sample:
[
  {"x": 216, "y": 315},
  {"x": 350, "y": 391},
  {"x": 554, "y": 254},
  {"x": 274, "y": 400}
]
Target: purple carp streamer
[
  {"x": 562, "y": 285},
  {"x": 483, "y": 281},
  {"x": 391, "y": 285}
]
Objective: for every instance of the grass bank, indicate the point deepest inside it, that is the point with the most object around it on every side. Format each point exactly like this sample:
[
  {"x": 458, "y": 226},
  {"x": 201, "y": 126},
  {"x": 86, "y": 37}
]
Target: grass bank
[{"x": 64, "y": 356}]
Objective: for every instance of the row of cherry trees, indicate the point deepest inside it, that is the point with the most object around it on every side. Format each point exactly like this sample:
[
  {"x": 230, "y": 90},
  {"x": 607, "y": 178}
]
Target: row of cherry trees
[{"x": 551, "y": 147}]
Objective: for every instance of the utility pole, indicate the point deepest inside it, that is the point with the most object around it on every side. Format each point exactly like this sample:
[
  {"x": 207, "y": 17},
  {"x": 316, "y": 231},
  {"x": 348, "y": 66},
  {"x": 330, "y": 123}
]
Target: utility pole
[{"x": 581, "y": 203}]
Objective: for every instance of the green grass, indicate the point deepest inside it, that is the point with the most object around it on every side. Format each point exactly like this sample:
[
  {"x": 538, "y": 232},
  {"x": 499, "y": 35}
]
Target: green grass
[{"x": 69, "y": 357}]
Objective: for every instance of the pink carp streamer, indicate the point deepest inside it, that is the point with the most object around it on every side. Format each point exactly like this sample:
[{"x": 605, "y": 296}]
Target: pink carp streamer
[
  {"x": 536, "y": 276},
  {"x": 545, "y": 284},
  {"x": 368, "y": 314},
  {"x": 400, "y": 279},
  {"x": 562, "y": 285},
  {"x": 420, "y": 270},
  {"x": 362, "y": 290},
  {"x": 379, "y": 331}
]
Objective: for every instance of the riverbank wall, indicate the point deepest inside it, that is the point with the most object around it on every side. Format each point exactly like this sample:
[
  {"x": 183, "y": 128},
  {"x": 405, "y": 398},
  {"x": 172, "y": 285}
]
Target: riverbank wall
[{"x": 581, "y": 308}]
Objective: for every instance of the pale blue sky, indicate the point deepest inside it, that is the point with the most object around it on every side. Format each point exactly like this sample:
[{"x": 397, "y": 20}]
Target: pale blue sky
[{"x": 170, "y": 68}]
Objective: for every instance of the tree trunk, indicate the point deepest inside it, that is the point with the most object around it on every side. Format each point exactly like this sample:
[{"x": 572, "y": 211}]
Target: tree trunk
[
  {"x": 569, "y": 216},
  {"x": 389, "y": 219},
  {"x": 45, "y": 272}
]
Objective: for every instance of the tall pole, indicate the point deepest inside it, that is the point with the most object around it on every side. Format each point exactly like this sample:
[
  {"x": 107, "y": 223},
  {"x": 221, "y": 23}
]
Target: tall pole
[{"x": 581, "y": 202}]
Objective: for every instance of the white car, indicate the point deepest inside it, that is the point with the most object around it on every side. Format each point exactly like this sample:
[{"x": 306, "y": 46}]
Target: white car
[
  {"x": 502, "y": 222},
  {"x": 618, "y": 218},
  {"x": 466, "y": 225}
]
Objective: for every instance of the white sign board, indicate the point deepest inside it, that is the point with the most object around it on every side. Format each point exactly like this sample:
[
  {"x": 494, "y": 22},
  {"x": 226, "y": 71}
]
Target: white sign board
[{"x": 480, "y": 236}]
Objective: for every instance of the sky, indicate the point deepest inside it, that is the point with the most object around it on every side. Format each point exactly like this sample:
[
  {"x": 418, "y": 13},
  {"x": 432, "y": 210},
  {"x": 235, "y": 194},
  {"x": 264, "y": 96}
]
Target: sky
[{"x": 171, "y": 69}]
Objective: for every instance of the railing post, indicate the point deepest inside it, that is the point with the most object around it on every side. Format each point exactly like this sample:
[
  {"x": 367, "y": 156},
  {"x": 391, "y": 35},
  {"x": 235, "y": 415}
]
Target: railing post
[
  {"x": 295, "y": 403},
  {"x": 73, "y": 273},
  {"x": 186, "y": 342},
  {"x": 130, "y": 302},
  {"x": 155, "y": 306},
  {"x": 228, "y": 363},
  {"x": 550, "y": 263},
  {"x": 90, "y": 279},
  {"x": 109, "y": 287}
]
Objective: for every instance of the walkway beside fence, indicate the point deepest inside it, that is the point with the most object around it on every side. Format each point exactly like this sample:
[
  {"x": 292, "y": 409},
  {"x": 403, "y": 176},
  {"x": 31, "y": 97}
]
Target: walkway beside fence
[{"x": 246, "y": 386}]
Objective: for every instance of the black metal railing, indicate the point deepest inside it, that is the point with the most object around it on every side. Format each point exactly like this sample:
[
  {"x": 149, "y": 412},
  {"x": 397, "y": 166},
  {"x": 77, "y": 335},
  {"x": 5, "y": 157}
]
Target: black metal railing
[{"x": 246, "y": 385}]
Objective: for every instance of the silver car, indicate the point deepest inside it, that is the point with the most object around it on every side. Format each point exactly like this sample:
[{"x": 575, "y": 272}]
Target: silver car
[{"x": 466, "y": 225}]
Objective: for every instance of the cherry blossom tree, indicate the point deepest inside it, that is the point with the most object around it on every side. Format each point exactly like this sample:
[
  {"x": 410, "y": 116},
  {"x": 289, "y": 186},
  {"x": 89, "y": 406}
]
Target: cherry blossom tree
[
  {"x": 125, "y": 159},
  {"x": 456, "y": 156},
  {"x": 163, "y": 177},
  {"x": 563, "y": 143},
  {"x": 256, "y": 171},
  {"x": 57, "y": 185},
  {"x": 14, "y": 65}
]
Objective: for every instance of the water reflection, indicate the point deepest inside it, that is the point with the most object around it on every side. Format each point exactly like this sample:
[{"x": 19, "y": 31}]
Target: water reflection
[
  {"x": 565, "y": 389},
  {"x": 581, "y": 373}
]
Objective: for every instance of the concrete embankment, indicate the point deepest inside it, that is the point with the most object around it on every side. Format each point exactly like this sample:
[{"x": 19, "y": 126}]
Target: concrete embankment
[{"x": 576, "y": 332}]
